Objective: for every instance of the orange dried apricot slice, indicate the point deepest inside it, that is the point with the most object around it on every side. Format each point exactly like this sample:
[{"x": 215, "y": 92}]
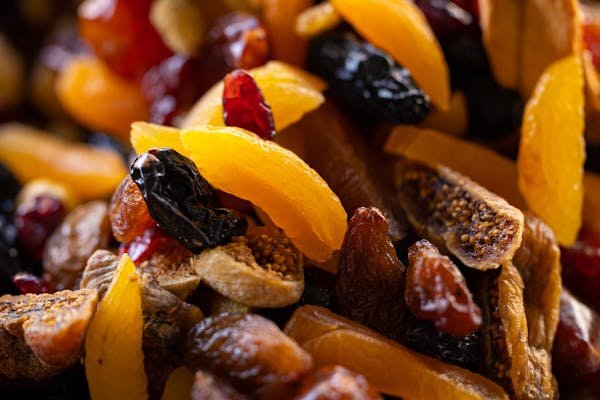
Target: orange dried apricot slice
[
  {"x": 489, "y": 169},
  {"x": 399, "y": 27},
  {"x": 98, "y": 99},
  {"x": 280, "y": 18},
  {"x": 289, "y": 91},
  {"x": 389, "y": 366},
  {"x": 454, "y": 121},
  {"x": 114, "y": 361},
  {"x": 317, "y": 20},
  {"x": 275, "y": 179},
  {"x": 146, "y": 136},
  {"x": 88, "y": 172},
  {"x": 552, "y": 149}
]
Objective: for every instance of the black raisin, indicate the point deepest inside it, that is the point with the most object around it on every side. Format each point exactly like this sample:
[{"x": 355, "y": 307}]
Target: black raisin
[
  {"x": 9, "y": 188},
  {"x": 366, "y": 79},
  {"x": 182, "y": 202}
]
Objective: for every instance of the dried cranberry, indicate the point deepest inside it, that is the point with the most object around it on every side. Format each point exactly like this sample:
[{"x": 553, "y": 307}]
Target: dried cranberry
[
  {"x": 591, "y": 39},
  {"x": 581, "y": 267},
  {"x": 120, "y": 32},
  {"x": 437, "y": 291},
  {"x": 29, "y": 283},
  {"x": 145, "y": 245},
  {"x": 244, "y": 105},
  {"x": 35, "y": 221},
  {"x": 451, "y": 19}
]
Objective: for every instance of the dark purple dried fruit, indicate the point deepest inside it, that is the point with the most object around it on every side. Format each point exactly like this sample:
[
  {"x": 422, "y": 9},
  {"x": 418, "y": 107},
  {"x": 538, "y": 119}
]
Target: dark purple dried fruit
[
  {"x": 250, "y": 352},
  {"x": 29, "y": 283},
  {"x": 367, "y": 79},
  {"x": 182, "y": 202},
  {"x": 370, "y": 277},
  {"x": 437, "y": 291},
  {"x": 35, "y": 221},
  {"x": 335, "y": 382},
  {"x": 9, "y": 188}
]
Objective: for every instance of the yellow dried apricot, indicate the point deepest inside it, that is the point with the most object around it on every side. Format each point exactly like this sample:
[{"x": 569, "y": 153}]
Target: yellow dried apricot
[
  {"x": 289, "y": 91},
  {"x": 145, "y": 136},
  {"x": 280, "y": 18},
  {"x": 454, "y": 121},
  {"x": 98, "y": 99},
  {"x": 88, "y": 172},
  {"x": 399, "y": 27},
  {"x": 178, "y": 385},
  {"x": 275, "y": 179},
  {"x": 316, "y": 20},
  {"x": 114, "y": 361},
  {"x": 552, "y": 149}
]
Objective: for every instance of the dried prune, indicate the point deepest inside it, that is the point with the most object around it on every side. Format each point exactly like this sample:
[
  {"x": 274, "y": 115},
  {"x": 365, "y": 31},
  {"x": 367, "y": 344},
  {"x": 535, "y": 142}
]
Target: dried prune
[
  {"x": 209, "y": 387},
  {"x": 367, "y": 79},
  {"x": 35, "y": 221},
  {"x": 250, "y": 352},
  {"x": 129, "y": 216},
  {"x": 576, "y": 352},
  {"x": 182, "y": 202},
  {"x": 450, "y": 19},
  {"x": 437, "y": 291},
  {"x": 481, "y": 229},
  {"x": 581, "y": 267},
  {"x": 370, "y": 277},
  {"x": 84, "y": 230},
  {"x": 244, "y": 105},
  {"x": 29, "y": 283},
  {"x": 42, "y": 334},
  {"x": 335, "y": 383}
]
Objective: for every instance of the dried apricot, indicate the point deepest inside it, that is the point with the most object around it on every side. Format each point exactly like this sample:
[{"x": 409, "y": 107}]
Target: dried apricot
[
  {"x": 178, "y": 385},
  {"x": 291, "y": 93},
  {"x": 316, "y": 20},
  {"x": 86, "y": 171},
  {"x": 552, "y": 150},
  {"x": 280, "y": 18},
  {"x": 294, "y": 196},
  {"x": 117, "y": 102},
  {"x": 454, "y": 121},
  {"x": 399, "y": 27},
  {"x": 146, "y": 136}
]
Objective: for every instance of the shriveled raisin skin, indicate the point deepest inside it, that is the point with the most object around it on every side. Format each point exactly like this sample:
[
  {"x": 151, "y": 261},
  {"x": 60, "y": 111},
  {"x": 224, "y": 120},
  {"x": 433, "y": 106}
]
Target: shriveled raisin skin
[
  {"x": 250, "y": 352},
  {"x": 182, "y": 202},
  {"x": 336, "y": 383},
  {"x": 437, "y": 291},
  {"x": 129, "y": 216},
  {"x": 370, "y": 278},
  {"x": 366, "y": 79}
]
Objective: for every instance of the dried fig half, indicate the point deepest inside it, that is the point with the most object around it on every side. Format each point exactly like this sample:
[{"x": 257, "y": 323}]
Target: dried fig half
[
  {"x": 481, "y": 229},
  {"x": 262, "y": 269},
  {"x": 42, "y": 334}
]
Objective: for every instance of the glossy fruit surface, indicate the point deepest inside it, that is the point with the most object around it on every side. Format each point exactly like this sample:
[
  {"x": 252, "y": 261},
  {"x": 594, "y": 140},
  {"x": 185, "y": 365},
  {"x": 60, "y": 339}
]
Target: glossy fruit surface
[
  {"x": 280, "y": 17},
  {"x": 129, "y": 216}
]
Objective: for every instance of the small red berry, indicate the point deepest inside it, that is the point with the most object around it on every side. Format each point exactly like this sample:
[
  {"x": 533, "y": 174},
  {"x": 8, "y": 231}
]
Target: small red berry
[
  {"x": 581, "y": 267},
  {"x": 145, "y": 245},
  {"x": 35, "y": 221},
  {"x": 28, "y": 283},
  {"x": 244, "y": 105}
]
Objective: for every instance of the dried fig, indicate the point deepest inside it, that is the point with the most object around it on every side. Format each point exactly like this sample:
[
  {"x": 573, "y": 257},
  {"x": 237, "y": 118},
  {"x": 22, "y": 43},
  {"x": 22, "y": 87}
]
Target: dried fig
[
  {"x": 42, "y": 334},
  {"x": 84, "y": 230},
  {"x": 262, "y": 269},
  {"x": 458, "y": 215},
  {"x": 249, "y": 351},
  {"x": 335, "y": 383}
]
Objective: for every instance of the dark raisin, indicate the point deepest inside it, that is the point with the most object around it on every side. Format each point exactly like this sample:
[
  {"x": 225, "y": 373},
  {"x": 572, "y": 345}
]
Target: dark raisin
[
  {"x": 576, "y": 352},
  {"x": 244, "y": 105},
  {"x": 437, "y": 291},
  {"x": 370, "y": 277},
  {"x": 366, "y": 79},
  {"x": 250, "y": 352},
  {"x": 29, "y": 283},
  {"x": 581, "y": 267},
  {"x": 35, "y": 221},
  {"x": 182, "y": 202},
  {"x": 335, "y": 382}
]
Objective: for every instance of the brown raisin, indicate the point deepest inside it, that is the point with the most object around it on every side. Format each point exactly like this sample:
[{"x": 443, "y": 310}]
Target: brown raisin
[
  {"x": 129, "y": 216},
  {"x": 335, "y": 383},
  {"x": 209, "y": 387},
  {"x": 370, "y": 279},
  {"x": 249, "y": 351},
  {"x": 437, "y": 291}
]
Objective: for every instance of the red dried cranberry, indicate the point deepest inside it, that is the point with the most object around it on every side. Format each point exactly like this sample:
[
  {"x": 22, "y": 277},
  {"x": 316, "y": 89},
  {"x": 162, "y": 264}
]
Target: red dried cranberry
[
  {"x": 35, "y": 221},
  {"x": 244, "y": 105},
  {"x": 591, "y": 39},
  {"x": 120, "y": 33},
  {"x": 451, "y": 19},
  {"x": 437, "y": 291},
  {"x": 144, "y": 246},
  {"x": 28, "y": 283},
  {"x": 581, "y": 267}
]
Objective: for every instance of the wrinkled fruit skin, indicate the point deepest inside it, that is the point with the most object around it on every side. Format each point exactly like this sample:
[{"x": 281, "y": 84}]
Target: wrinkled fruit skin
[
  {"x": 576, "y": 352},
  {"x": 182, "y": 202},
  {"x": 437, "y": 291},
  {"x": 129, "y": 216},
  {"x": 35, "y": 221},
  {"x": 244, "y": 105},
  {"x": 370, "y": 278},
  {"x": 336, "y": 383},
  {"x": 581, "y": 267},
  {"x": 366, "y": 79},
  {"x": 209, "y": 387},
  {"x": 250, "y": 352}
]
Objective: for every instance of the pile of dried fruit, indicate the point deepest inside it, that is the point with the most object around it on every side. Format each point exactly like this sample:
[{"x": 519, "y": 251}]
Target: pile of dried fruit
[{"x": 300, "y": 199}]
